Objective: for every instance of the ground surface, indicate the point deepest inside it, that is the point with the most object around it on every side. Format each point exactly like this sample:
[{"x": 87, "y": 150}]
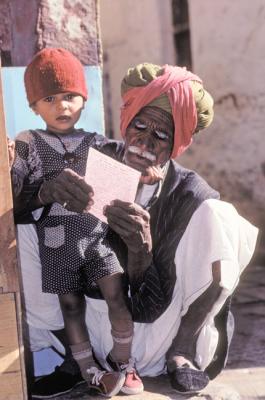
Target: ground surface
[{"x": 244, "y": 376}]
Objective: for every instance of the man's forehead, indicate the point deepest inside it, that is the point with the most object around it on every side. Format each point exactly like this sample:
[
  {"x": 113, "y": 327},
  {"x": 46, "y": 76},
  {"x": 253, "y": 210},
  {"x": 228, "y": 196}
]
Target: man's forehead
[{"x": 156, "y": 116}]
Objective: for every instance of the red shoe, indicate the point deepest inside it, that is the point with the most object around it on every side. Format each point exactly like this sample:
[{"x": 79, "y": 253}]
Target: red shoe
[
  {"x": 105, "y": 383},
  {"x": 133, "y": 383}
]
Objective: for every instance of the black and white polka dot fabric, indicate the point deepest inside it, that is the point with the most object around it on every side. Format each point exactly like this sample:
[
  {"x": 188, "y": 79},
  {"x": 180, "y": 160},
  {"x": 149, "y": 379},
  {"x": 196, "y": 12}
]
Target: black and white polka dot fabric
[{"x": 74, "y": 251}]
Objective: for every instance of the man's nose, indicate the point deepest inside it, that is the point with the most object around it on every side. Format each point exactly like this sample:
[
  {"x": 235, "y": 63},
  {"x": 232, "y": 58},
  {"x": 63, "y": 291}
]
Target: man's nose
[{"x": 146, "y": 141}]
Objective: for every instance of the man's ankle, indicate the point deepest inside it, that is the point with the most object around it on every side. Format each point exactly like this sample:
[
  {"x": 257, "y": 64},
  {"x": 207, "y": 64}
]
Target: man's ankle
[{"x": 178, "y": 360}]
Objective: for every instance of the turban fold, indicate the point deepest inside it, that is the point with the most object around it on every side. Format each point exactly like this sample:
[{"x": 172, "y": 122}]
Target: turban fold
[{"x": 173, "y": 89}]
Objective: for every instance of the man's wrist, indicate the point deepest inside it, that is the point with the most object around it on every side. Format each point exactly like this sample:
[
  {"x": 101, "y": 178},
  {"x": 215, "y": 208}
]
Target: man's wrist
[
  {"x": 143, "y": 258},
  {"x": 137, "y": 265},
  {"x": 44, "y": 196}
]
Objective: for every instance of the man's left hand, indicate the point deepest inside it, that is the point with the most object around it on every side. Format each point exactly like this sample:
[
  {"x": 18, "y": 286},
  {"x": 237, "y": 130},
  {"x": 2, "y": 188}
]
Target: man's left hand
[
  {"x": 152, "y": 175},
  {"x": 132, "y": 223}
]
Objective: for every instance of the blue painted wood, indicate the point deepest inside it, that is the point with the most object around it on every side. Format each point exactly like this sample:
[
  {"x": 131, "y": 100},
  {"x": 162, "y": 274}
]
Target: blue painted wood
[
  {"x": 19, "y": 116},
  {"x": 45, "y": 361}
]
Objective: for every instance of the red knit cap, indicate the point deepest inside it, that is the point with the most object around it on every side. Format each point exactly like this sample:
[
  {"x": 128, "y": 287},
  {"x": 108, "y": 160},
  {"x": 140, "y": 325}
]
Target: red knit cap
[{"x": 54, "y": 71}]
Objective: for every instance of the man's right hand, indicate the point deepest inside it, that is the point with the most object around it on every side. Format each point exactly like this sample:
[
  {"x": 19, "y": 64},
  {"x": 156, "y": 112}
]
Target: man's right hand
[
  {"x": 68, "y": 189},
  {"x": 132, "y": 223}
]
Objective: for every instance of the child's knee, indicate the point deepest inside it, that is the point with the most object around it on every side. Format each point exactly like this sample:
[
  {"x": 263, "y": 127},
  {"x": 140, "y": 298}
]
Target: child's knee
[
  {"x": 72, "y": 305},
  {"x": 115, "y": 300}
]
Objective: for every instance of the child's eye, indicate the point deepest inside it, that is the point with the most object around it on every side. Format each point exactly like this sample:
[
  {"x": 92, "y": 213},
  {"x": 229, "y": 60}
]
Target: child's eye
[
  {"x": 69, "y": 96},
  {"x": 48, "y": 99}
]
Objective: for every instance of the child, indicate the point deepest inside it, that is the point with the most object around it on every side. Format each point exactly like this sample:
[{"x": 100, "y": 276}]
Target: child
[{"x": 73, "y": 247}]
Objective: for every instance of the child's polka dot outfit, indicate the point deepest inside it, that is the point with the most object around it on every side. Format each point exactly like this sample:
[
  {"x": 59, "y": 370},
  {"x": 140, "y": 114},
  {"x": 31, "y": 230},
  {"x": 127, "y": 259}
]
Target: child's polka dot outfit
[{"x": 74, "y": 251}]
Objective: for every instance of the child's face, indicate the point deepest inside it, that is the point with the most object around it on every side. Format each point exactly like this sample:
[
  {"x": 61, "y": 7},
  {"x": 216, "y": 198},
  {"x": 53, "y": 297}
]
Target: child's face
[{"x": 60, "y": 111}]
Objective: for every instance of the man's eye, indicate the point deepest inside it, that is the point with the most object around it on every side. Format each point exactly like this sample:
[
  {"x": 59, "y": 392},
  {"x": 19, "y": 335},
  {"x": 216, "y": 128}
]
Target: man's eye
[
  {"x": 139, "y": 125},
  {"x": 161, "y": 135}
]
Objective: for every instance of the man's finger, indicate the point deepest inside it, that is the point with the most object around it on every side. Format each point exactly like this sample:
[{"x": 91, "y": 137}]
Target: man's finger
[
  {"x": 132, "y": 222},
  {"x": 153, "y": 174},
  {"x": 128, "y": 208},
  {"x": 118, "y": 228},
  {"x": 129, "y": 225},
  {"x": 72, "y": 178},
  {"x": 70, "y": 184}
]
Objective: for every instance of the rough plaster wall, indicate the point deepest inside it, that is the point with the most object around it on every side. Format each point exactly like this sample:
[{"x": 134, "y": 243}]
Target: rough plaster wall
[
  {"x": 23, "y": 15},
  {"x": 18, "y": 40},
  {"x": 133, "y": 34},
  {"x": 228, "y": 53},
  {"x": 5, "y": 27},
  {"x": 29, "y": 25},
  {"x": 71, "y": 24}
]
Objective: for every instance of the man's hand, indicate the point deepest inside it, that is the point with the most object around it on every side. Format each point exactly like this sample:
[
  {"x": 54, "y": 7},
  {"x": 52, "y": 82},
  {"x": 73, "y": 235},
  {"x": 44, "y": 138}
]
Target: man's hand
[
  {"x": 68, "y": 189},
  {"x": 153, "y": 174},
  {"x": 132, "y": 223}
]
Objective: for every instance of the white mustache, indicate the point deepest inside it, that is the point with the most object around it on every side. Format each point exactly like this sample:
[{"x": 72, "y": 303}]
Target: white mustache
[{"x": 144, "y": 154}]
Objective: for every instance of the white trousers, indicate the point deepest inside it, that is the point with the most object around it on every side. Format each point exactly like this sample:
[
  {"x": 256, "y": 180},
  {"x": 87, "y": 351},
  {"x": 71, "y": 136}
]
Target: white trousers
[{"x": 215, "y": 232}]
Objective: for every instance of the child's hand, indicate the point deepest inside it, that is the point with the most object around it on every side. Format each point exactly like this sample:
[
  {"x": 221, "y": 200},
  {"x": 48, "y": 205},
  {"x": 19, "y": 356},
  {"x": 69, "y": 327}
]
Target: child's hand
[{"x": 11, "y": 151}]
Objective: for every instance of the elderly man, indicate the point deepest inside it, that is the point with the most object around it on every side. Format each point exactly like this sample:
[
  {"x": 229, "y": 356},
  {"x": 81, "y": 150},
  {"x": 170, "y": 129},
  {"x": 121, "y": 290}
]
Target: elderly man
[{"x": 181, "y": 247}]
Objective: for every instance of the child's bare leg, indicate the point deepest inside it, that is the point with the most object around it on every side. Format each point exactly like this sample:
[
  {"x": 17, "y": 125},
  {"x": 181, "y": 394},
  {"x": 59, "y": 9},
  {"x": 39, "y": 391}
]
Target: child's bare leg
[
  {"x": 69, "y": 365},
  {"x": 119, "y": 315},
  {"x": 73, "y": 307}
]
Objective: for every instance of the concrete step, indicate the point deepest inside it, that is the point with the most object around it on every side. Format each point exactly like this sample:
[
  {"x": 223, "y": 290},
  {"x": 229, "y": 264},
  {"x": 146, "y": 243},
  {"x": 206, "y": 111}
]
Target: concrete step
[{"x": 233, "y": 384}]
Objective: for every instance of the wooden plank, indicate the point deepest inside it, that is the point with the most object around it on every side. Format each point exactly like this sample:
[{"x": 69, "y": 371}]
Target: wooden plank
[
  {"x": 24, "y": 350},
  {"x": 8, "y": 260},
  {"x": 12, "y": 367},
  {"x": 11, "y": 384}
]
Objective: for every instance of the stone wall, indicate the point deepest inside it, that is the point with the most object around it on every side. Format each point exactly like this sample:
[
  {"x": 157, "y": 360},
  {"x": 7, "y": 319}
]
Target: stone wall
[
  {"x": 27, "y": 26},
  {"x": 132, "y": 32},
  {"x": 71, "y": 24},
  {"x": 228, "y": 53}
]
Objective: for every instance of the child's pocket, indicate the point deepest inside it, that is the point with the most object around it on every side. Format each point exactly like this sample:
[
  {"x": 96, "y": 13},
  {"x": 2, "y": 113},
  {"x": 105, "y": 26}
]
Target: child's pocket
[{"x": 54, "y": 237}]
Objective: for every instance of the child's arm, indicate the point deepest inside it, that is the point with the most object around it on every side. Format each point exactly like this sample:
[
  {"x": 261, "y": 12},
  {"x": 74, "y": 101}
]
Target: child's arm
[
  {"x": 23, "y": 189},
  {"x": 11, "y": 152}
]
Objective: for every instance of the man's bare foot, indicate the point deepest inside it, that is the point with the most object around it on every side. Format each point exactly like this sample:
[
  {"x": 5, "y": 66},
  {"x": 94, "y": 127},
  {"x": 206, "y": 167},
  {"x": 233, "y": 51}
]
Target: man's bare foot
[
  {"x": 184, "y": 377},
  {"x": 179, "y": 361}
]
